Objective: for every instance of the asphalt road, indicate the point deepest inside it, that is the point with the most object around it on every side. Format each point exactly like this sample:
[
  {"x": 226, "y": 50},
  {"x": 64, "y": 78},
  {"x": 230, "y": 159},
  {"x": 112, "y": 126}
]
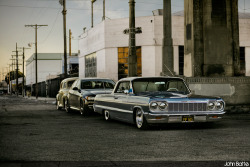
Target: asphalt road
[{"x": 33, "y": 130}]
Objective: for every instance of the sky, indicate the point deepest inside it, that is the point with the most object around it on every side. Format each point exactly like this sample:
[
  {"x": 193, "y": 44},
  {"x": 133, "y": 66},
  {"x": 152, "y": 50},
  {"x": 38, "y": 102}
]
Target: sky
[{"x": 15, "y": 14}]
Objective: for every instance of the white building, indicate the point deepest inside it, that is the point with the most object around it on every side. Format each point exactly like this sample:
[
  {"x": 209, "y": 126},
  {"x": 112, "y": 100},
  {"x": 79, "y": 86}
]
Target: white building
[
  {"x": 104, "y": 48},
  {"x": 47, "y": 64}
]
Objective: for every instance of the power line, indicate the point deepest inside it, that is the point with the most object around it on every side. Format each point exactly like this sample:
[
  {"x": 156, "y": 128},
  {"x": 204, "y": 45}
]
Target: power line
[{"x": 51, "y": 28}]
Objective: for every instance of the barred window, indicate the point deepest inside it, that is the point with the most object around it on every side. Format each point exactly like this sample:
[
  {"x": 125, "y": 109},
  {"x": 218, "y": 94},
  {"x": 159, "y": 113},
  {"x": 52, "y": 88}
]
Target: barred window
[{"x": 90, "y": 65}]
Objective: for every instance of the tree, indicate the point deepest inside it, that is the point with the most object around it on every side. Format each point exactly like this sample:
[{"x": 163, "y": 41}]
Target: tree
[{"x": 13, "y": 75}]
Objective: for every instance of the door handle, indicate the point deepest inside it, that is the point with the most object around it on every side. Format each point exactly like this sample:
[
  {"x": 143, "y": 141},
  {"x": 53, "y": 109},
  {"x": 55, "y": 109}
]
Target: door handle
[{"x": 115, "y": 97}]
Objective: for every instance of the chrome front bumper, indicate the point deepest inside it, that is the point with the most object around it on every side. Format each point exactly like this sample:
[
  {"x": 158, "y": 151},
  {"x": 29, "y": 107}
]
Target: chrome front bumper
[{"x": 178, "y": 118}]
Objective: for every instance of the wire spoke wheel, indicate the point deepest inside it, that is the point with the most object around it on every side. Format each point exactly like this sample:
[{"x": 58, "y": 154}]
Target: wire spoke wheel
[
  {"x": 140, "y": 121},
  {"x": 106, "y": 115}
]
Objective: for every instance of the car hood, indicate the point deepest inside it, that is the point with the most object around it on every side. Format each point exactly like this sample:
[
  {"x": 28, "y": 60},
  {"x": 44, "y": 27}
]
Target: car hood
[
  {"x": 154, "y": 95},
  {"x": 96, "y": 91}
]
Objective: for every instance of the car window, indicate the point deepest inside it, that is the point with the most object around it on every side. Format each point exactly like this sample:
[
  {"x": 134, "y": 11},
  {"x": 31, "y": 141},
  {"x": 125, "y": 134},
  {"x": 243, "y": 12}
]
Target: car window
[
  {"x": 97, "y": 84},
  {"x": 74, "y": 84},
  {"x": 159, "y": 84},
  {"x": 176, "y": 86},
  {"x": 70, "y": 83},
  {"x": 61, "y": 85},
  {"x": 64, "y": 85},
  {"x": 122, "y": 86}
]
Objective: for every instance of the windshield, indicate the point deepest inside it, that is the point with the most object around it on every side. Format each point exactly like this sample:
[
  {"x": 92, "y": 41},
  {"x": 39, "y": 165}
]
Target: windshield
[
  {"x": 97, "y": 84},
  {"x": 151, "y": 85}
]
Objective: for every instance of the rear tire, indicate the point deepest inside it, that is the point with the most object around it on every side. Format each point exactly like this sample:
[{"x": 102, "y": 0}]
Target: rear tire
[
  {"x": 106, "y": 115},
  {"x": 140, "y": 120}
]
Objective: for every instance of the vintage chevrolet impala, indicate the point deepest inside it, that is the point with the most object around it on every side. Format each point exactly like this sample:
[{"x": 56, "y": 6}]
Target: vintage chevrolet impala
[{"x": 149, "y": 100}]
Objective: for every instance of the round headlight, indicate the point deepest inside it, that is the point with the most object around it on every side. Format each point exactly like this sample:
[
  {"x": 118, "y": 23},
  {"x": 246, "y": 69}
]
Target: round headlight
[
  {"x": 153, "y": 105},
  {"x": 211, "y": 105},
  {"x": 163, "y": 106},
  {"x": 219, "y": 105}
]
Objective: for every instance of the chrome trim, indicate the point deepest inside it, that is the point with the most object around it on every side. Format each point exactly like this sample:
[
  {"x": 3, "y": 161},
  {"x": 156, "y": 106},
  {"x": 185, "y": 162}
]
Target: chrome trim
[
  {"x": 113, "y": 109},
  {"x": 141, "y": 104}
]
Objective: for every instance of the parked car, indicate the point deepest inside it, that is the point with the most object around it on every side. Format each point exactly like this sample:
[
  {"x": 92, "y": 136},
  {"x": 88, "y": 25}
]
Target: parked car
[
  {"x": 1, "y": 92},
  {"x": 63, "y": 92},
  {"x": 83, "y": 91},
  {"x": 149, "y": 100}
]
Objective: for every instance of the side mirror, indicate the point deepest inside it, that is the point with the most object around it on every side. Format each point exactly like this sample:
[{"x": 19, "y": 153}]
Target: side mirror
[
  {"x": 75, "y": 88},
  {"x": 79, "y": 90},
  {"x": 126, "y": 91}
]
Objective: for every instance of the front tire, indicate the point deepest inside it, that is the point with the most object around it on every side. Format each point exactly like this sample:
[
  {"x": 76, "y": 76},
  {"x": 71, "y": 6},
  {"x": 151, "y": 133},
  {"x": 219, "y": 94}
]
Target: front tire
[
  {"x": 82, "y": 109},
  {"x": 67, "y": 107},
  {"x": 140, "y": 120}
]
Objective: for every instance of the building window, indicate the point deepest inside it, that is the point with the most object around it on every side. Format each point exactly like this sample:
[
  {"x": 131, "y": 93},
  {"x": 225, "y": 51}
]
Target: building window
[
  {"x": 90, "y": 65},
  {"x": 242, "y": 61},
  {"x": 181, "y": 60},
  {"x": 123, "y": 62}
]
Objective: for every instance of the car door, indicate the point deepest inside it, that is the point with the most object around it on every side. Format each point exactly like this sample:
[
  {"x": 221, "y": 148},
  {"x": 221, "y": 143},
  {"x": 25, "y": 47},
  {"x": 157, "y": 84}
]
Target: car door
[
  {"x": 60, "y": 93},
  {"x": 120, "y": 97},
  {"x": 71, "y": 94},
  {"x": 74, "y": 94}
]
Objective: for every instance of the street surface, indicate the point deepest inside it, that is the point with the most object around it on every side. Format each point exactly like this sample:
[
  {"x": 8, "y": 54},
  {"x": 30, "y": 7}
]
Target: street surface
[{"x": 32, "y": 130}]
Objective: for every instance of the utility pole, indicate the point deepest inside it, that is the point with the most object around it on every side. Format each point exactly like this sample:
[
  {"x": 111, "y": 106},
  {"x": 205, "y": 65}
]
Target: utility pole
[
  {"x": 92, "y": 13},
  {"x": 64, "y": 12},
  {"x": 17, "y": 91},
  {"x": 12, "y": 75},
  {"x": 14, "y": 72},
  {"x": 167, "y": 41},
  {"x": 132, "y": 58},
  {"x": 36, "y": 27},
  {"x": 9, "y": 80},
  {"x": 23, "y": 69},
  {"x": 70, "y": 34},
  {"x": 103, "y": 17}
]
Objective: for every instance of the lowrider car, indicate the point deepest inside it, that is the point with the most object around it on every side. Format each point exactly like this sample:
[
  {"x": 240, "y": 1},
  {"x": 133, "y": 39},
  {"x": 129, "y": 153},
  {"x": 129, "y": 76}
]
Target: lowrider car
[
  {"x": 83, "y": 91},
  {"x": 63, "y": 92},
  {"x": 149, "y": 100}
]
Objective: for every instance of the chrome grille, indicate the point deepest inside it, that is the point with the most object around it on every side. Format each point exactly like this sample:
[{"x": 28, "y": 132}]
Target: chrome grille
[{"x": 187, "y": 107}]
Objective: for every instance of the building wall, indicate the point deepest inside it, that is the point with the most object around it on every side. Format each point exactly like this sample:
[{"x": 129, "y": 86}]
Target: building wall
[
  {"x": 247, "y": 57},
  {"x": 244, "y": 30},
  {"x": 45, "y": 68},
  {"x": 106, "y": 37}
]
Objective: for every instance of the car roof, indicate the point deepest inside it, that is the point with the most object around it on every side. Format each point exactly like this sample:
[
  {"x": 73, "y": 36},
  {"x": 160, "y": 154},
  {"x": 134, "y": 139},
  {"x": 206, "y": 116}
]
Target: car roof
[
  {"x": 95, "y": 79},
  {"x": 134, "y": 78},
  {"x": 69, "y": 79}
]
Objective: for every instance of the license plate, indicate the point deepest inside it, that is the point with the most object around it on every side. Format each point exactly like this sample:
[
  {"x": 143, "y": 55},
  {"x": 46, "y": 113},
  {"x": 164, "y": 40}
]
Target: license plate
[{"x": 187, "y": 118}]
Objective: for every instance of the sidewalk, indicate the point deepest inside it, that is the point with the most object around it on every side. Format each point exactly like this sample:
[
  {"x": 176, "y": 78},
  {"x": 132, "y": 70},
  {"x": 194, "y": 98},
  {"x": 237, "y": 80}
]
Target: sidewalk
[{"x": 45, "y": 99}]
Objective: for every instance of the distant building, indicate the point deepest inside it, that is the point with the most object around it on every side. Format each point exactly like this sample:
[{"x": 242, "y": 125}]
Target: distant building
[
  {"x": 104, "y": 48},
  {"x": 48, "y": 64}
]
